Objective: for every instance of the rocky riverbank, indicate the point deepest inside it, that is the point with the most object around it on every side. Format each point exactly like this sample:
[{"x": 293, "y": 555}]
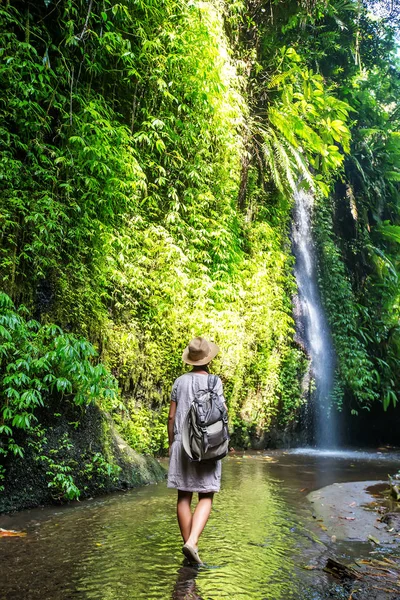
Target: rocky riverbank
[{"x": 363, "y": 515}]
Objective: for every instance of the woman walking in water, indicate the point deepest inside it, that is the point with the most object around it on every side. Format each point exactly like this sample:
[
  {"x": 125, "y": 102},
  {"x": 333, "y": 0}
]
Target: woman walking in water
[{"x": 184, "y": 475}]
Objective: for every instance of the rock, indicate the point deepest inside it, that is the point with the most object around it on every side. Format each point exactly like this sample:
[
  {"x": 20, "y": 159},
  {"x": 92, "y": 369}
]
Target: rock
[
  {"x": 26, "y": 482},
  {"x": 345, "y": 510},
  {"x": 392, "y": 520},
  {"x": 339, "y": 570}
]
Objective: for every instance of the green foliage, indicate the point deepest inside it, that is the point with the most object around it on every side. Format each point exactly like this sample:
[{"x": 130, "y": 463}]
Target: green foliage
[
  {"x": 2, "y": 477},
  {"x": 101, "y": 470},
  {"x": 346, "y": 56},
  {"x": 293, "y": 368},
  {"x": 307, "y": 131},
  {"x": 250, "y": 318},
  {"x": 123, "y": 144},
  {"x": 59, "y": 471},
  {"x": 367, "y": 215},
  {"x": 149, "y": 153},
  {"x": 68, "y": 475},
  {"x": 144, "y": 429},
  {"x": 37, "y": 363},
  {"x": 355, "y": 372}
]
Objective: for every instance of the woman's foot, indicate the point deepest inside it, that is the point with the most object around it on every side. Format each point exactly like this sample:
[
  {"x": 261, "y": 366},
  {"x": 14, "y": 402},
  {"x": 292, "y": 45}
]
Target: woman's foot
[{"x": 191, "y": 554}]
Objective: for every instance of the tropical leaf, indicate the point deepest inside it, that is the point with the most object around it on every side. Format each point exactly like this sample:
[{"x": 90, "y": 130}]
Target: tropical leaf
[
  {"x": 392, "y": 175},
  {"x": 390, "y": 232}
]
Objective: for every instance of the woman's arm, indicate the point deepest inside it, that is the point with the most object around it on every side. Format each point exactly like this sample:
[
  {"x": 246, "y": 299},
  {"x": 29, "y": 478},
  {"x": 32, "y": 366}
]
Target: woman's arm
[
  {"x": 220, "y": 392},
  {"x": 171, "y": 421}
]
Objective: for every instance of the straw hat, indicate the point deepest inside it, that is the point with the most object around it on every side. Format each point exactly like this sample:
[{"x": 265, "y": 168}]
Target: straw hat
[{"x": 199, "y": 352}]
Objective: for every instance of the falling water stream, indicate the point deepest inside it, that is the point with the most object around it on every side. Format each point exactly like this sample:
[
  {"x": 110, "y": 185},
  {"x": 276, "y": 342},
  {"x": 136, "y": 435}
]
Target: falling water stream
[{"x": 312, "y": 327}]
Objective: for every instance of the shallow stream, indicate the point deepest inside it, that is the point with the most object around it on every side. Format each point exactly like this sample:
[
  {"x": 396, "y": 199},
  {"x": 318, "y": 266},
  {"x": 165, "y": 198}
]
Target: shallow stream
[{"x": 127, "y": 546}]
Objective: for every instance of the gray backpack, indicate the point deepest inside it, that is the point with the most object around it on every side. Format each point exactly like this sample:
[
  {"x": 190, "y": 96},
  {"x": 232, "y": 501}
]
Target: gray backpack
[{"x": 205, "y": 429}]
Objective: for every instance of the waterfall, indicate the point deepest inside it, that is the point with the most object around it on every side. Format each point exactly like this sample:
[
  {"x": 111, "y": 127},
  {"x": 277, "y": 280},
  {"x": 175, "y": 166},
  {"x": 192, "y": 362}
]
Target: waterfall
[{"x": 312, "y": 330}]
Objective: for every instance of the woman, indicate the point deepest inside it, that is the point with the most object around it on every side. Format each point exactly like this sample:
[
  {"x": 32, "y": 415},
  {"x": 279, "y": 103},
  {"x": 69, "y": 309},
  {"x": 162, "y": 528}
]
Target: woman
[{"x": 186, "y": 476}]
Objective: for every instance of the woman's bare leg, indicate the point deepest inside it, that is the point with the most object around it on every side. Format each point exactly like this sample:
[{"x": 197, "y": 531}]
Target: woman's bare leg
[
  {"x": 184, "y": 513},
  {"x": 200, "y": 518}
]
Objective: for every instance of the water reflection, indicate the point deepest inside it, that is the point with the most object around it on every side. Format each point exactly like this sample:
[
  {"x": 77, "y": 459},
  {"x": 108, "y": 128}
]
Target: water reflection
[
  {"x": 185, "y": 587},
  {"x": 127, "y": 546}
]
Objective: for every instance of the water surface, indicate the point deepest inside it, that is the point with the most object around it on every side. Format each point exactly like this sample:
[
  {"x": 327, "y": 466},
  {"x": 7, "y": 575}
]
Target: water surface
[{"x": 127, "y": 546}]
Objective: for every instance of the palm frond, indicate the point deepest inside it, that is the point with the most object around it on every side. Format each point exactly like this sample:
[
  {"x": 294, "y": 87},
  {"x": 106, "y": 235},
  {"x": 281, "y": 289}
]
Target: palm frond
[
  {"x": 302, "y": 166},
  {"x": 285, "y": 164}
]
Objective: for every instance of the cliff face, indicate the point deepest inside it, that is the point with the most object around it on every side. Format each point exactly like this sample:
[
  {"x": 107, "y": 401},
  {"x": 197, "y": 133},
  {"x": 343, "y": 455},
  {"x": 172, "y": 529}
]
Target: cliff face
[{"x": 149, "y": 157}]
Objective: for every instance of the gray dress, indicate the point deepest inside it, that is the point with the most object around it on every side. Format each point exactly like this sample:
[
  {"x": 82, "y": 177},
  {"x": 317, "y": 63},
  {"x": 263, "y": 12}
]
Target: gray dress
[{"x": 184, "y": 474}]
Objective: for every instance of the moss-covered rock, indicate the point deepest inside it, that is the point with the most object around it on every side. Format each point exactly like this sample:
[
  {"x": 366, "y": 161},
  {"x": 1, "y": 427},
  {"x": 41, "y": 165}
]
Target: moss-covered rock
[{"x": 74, "y": 456}]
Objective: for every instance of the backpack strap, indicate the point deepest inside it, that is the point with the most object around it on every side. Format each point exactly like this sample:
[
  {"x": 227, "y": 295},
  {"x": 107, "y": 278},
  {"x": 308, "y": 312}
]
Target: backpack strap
[{"x": 212, "y": 382}]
